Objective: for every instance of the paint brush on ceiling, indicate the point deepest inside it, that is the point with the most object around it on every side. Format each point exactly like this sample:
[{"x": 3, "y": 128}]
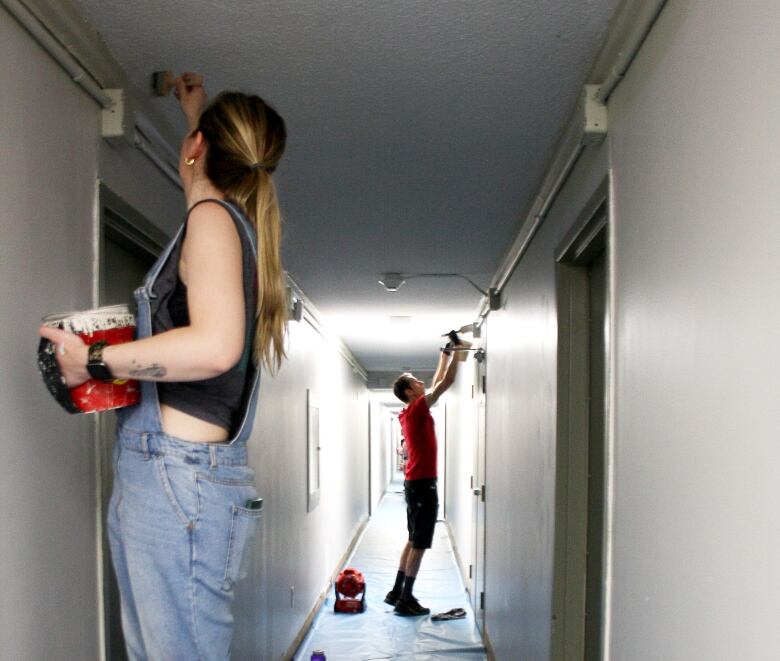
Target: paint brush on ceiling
[{"x": 162, "y": 81}]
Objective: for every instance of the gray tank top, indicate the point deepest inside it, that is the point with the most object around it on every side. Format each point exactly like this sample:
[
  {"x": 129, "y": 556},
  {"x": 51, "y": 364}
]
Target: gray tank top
[{"x": 217, "y": 400}]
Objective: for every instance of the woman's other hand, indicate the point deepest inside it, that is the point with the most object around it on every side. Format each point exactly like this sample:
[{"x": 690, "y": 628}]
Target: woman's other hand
[
  {"x": 192, "y": 97},
  {"x": 71, "y": 353}
]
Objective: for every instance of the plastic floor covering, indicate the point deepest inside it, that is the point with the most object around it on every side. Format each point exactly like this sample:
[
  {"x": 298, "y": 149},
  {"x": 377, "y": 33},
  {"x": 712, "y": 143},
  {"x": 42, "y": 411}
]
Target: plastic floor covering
[{"x": 378, "y": 633}]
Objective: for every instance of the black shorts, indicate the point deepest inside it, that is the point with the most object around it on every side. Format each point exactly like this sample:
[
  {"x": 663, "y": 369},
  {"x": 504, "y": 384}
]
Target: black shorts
[{"x": 422, "y": 507}]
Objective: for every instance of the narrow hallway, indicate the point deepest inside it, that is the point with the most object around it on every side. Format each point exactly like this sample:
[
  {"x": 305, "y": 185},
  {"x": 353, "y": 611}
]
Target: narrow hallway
[
  {"x": 586, "y": 191},
  {"x": 380, "y": 634}
]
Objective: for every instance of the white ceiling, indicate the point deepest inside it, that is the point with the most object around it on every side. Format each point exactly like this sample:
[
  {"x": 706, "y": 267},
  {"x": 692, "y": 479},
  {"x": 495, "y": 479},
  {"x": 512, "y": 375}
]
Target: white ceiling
[{"x": 418, "y": 132}]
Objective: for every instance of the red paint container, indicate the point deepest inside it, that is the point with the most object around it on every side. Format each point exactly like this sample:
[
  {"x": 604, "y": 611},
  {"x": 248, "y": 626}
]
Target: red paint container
[{"x": 115, "y": 324}]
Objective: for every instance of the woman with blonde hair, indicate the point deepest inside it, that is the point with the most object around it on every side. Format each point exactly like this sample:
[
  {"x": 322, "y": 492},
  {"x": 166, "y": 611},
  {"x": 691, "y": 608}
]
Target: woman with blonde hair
[{"x": 213, "y": 307}]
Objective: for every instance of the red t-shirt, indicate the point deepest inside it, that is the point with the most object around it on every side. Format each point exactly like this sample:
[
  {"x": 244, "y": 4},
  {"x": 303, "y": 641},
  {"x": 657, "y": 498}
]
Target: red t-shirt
[{"x": 417, "y": 426}]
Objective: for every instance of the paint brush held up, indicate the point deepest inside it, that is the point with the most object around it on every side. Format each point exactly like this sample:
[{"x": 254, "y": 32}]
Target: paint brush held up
[{"x": 163, "y": 81}]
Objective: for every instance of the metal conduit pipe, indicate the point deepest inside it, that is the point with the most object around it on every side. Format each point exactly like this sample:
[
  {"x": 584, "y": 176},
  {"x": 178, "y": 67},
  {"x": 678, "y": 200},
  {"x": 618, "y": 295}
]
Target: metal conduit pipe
[
  {"x": 648, "y": 12},
  {"x": 153, "y": 136},
  {"x": 78, "y": 74},
  {"x": 642, "y": 15},
  {"x": 541, "y": 214},
  {"x": 532, "y": 224},
  {"x": 146, "y": 148},
  {"x": 149, "y": 141}
]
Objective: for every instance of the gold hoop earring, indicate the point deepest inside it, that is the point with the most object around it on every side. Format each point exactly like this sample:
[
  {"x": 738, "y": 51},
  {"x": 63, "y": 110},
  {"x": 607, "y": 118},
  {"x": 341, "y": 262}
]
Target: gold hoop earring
[{"x": 189, "y": 161}]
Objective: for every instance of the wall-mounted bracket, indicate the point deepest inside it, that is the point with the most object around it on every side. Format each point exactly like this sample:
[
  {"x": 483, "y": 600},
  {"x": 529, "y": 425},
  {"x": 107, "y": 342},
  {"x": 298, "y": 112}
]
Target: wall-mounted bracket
[
  {"x": 594, "y": 116},
  {"x": 118, "y": 123},
  {"x": 297, "y": 310},
  {"x": 295, "y": 305},
  {"x": 494, "y": 298}
]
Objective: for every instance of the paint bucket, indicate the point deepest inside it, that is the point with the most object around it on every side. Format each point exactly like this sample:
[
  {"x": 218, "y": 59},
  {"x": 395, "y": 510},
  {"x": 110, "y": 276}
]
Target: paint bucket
[{"x": 114, "y": 324}]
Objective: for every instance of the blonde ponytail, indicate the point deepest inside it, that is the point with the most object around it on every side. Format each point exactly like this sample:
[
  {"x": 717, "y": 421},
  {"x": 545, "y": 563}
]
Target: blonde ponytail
[
  {"x": 246, "y": 140},
  {"x": 272, "y": 312}
]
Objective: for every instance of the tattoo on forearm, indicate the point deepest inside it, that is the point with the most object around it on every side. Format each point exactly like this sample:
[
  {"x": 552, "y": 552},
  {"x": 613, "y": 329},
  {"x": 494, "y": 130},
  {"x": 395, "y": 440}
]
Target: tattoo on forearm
[{"x": 155, "y": 371}]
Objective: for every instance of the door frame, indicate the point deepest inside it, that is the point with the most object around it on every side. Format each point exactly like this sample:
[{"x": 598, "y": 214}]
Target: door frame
[
  {"x": 587, "y": 238},
  {"x": 120, "y": 222},
  {"x": 478, "y": 535},
  {"x": 120, "y": 219}
]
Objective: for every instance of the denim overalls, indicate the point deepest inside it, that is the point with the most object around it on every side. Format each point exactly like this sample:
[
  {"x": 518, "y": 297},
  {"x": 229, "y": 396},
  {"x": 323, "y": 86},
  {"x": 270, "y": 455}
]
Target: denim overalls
[{"x": 178, "y": 521}]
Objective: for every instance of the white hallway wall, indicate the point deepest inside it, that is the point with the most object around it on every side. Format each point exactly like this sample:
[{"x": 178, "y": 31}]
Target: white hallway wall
[
  {"x": 694, "y": 151},
  {"x": 697, "y": 254},
  {"x": 52, "y": 159},
  {"x": 301, "y": 549},
  {"x": 48, "y": 168}
]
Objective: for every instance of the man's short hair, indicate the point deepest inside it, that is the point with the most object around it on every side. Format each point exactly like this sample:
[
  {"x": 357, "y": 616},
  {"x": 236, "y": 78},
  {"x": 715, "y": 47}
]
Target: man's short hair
[{"x": 401, "y": 385}]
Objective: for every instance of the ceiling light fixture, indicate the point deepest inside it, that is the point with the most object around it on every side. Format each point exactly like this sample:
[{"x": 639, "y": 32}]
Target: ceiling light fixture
[{"x": 392, "y": 281}]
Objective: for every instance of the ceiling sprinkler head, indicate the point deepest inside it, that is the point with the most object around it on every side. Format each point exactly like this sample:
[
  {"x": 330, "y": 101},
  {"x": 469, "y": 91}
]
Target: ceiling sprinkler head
[{"x": 391, "y": 281}]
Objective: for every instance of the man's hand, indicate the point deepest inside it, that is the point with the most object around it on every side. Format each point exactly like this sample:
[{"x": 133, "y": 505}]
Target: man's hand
[
  {"x": 445, "y": 373},
  {"x": 460, "y": 350}
]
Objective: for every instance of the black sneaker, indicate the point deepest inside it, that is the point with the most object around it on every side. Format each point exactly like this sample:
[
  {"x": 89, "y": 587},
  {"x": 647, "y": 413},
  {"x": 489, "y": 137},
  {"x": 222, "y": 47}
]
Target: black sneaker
[
  {"x": 410, "y": 606},
  {"x": 392, "y": 597}
]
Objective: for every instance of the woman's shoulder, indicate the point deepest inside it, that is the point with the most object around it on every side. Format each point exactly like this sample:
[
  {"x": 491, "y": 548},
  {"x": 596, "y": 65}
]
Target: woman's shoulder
[
  {"x": 210, "y": 224},
  {"x": 210, "y": 213},
  {"x": 208, "y": 208},
  {"x": 219, "y": 212}
]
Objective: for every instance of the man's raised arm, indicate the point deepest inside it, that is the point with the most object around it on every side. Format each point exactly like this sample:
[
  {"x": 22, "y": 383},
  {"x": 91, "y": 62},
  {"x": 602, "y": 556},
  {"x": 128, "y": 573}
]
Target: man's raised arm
[
  {"x": 444, "y": 377},
  {"x": 441, "y": 369}
]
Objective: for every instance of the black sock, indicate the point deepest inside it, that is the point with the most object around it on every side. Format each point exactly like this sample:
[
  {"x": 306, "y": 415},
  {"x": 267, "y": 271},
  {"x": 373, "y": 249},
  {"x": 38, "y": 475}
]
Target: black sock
[
  {"x": 399, "y": 582},
  {"x": 408, "y": 586}
]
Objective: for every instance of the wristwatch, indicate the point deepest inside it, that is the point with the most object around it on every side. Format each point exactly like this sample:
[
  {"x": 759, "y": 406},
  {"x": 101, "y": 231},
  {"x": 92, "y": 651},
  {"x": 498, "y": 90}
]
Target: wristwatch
[{"x": 95, "y": 366}]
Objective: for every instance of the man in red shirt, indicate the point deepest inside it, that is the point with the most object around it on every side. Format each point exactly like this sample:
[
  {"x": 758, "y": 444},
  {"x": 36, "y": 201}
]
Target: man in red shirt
[{"x": 422, "y": 501}]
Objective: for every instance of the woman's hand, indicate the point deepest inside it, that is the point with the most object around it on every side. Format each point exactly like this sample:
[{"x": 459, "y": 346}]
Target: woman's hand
[
  {"x": 192, "y": 97},
  {"x": 71, "y": 353}
]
